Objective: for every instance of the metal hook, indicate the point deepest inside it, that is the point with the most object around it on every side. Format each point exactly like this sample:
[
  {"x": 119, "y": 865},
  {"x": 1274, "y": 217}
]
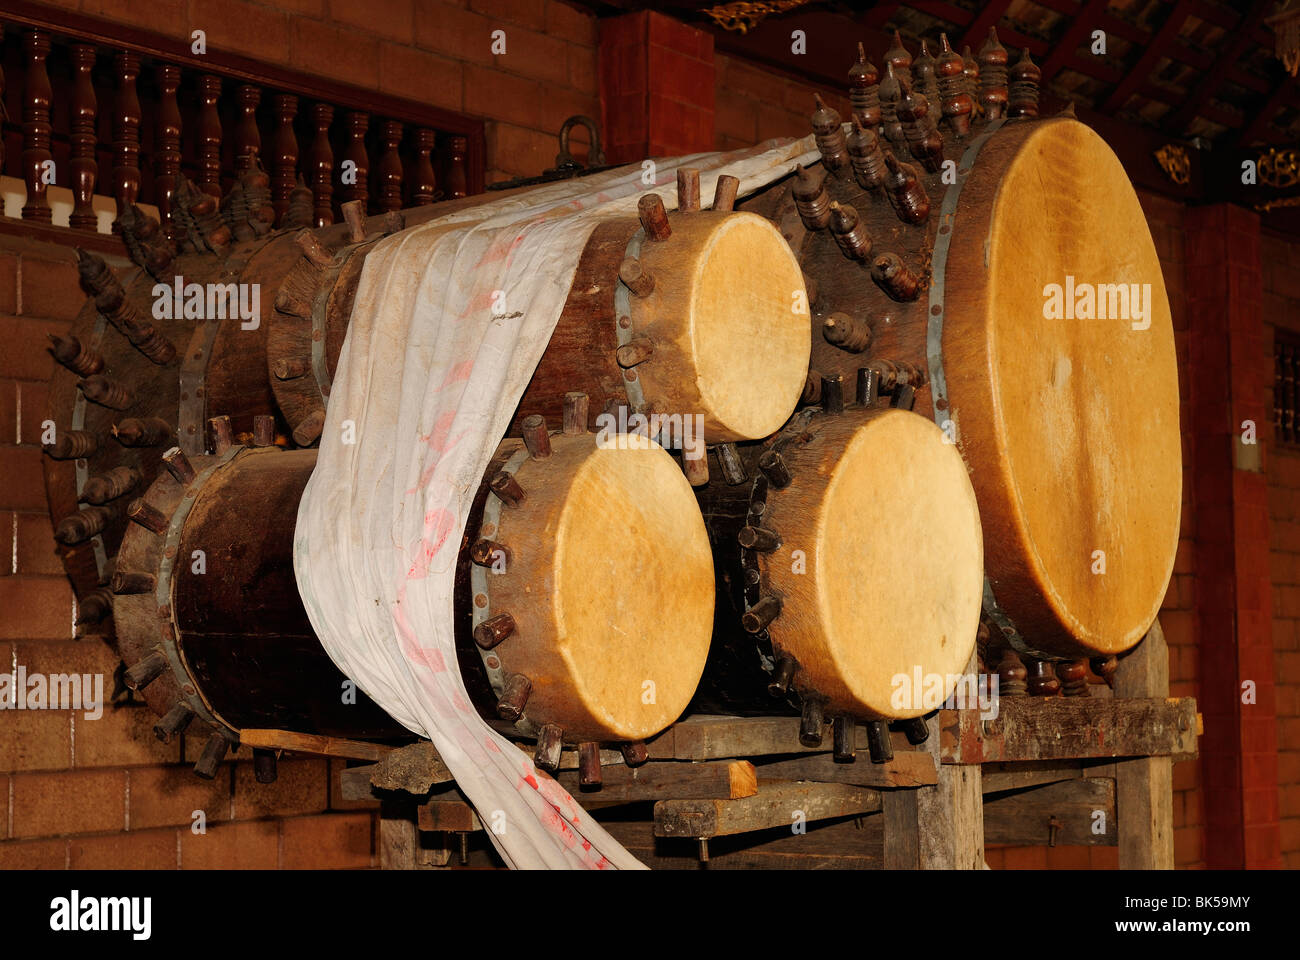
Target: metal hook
[{"x": 564, "y": 160}]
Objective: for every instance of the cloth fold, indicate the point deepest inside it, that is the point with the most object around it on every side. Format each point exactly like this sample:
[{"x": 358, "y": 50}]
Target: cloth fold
[{"x": 450, "y": 320}]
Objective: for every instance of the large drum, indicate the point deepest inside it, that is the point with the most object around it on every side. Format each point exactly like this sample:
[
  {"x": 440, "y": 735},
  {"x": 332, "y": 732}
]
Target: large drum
[{"x": 1027, "y": 312}]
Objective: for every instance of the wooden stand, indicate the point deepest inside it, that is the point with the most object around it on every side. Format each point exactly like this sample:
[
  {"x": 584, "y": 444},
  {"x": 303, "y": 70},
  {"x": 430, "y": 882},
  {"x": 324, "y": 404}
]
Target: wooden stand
[{"x": 743, "y": 793}]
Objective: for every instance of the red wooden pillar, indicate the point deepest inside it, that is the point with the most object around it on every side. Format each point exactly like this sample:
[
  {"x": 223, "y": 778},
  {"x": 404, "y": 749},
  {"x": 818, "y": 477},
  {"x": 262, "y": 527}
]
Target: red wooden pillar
[
  {"x": 656, "y": 87},
  {"x": 1230, "y": 371}
]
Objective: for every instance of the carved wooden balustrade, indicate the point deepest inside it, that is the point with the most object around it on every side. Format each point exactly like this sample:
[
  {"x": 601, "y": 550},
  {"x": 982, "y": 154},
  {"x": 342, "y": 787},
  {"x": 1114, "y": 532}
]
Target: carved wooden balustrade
[{"x": 107, "y": 110}]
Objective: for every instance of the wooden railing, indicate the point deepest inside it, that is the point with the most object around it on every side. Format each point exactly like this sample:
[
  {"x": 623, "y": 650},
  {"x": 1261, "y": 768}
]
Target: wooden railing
[{"x": 102, "y": 109}]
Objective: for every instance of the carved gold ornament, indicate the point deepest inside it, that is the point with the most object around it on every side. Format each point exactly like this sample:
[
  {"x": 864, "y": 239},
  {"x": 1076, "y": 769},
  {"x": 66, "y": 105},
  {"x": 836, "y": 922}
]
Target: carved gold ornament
[
  {"x": 741, "y": 16},
  {"x": 1286, "y": 28},
  {"x": 1175, "y": 162},
  {"x": 1279, "y": 168}
]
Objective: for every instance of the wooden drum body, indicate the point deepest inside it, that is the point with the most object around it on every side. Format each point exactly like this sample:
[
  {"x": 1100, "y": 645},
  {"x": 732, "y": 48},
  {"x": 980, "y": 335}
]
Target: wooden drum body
[{"x": 1031, "y": 321}]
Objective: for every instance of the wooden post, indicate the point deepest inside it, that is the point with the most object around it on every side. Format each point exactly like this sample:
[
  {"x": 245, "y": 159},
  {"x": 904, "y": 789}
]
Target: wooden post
[{"x": 1144, "y": 788}]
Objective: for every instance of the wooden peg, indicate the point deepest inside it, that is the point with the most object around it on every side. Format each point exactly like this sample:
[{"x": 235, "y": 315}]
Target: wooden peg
[
  {"x": 1073, "y": 675},
  {"x": 489, "y": 553},
  {"x": 1105, "y": 668},
  {"x": 550, "y": 744},
  {"x": 733, "y": 468},
  {"x": 654, "y": 218},
  {"x": 868, "y": 386},
  {"x": 811, "y": 199},
  {"x": 575, "y": 414},
  {"x": 906, "y": 193},
  {"x": 774, "y": 467},
  {"x": 924, "y": 79},
  {"x": 993, "y": 93},
  {"x": 833, "y": 393},
  {"x": 72, "y": 445},
  {"x": 761, "y": 614},
  {"x": 637, "y": 280},
  {"x": 724, "y": 192},
  {"x": 1011, "y": 674},
  {"x": 514, "y": 697},
  {"x": 782, "y": 676},
  {"x": 354, "y": 215},
  {"x": 849, "y": 231},
  {"x": 1041, "y": 680},
  {"x": 955, "y": 102},
  {"x": 105, "y": 392},
  {"x": 223, "y": 437},
  {"x": 174, "y": 721},
  {"x": 810, "y": 722},
  {"x": 867, "y": 159},
  {"x": 143, "y": 432},
  {"x": 688, "y": 190},
  {"x": 312, "y": 249},
  {"x": 494, "y": 630},
  {"x": 843, "y": 734},
  {"x": 1022, "y": 98},
  {"x": 878, "y": 745},
  {"x": 916, "y": 730},
  {"x": 179, "y": 466},
  {"x": 214, "y": 751},
  {"x": 536, "y": 437},
  {"x": 696, "y": 468},
  {"x": 904, "y": 397},
  {"x": 635, "y": 352},
  {"x": 760, "y": 539},
  {"x": 263, "y": 430},
  {"x": 506, "y": 486},
  {"x": 82, "y": 525},
  {"x": 589, "y": 765},
  {"x": 148, "y": 516},
  {"x": 634, "y": 753},
  {"x": 125, "y": 583},
  {"x": 70, "y": 352},
  {"x": 144, "y": 672},
  {"x": 847, "y": 333},
  {"x": 895, "y": 278},
  {"x": 891, "y": 93},
  {"x": 109, "y": 486},
  {"x": 264, "y": 765},
  {"x": 829, "y": 136},
  {"x": 898, "y": 58}
]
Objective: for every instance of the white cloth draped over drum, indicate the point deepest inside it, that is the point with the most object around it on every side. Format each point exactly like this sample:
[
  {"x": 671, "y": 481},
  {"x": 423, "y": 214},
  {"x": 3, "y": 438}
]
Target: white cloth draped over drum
[{"x": 450, "y": 320}]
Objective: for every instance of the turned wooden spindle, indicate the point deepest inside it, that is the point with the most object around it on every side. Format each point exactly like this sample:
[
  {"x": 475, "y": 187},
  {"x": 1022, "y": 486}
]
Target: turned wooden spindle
[
  {"x": 867, "y": 160},
  {"x": 390, "y": 166},
  {"x": 126, "y": 129},
  {"x": 993, "y": 91},
  {"x": 456, "y": 179},
  {"x": 424, "y": 183},
  {"x": 284, "y": 153},
  {"x": 891, "y": 94},
  {"x": 248, "y": 138},
  {"x": 209, "y": 135},
  {"x": 898, "y": 58},
  {"x": 1041, "y": 680},
  {"x": 1105, "y": 668},
  {"x": 864, "y": 90},
  {"x": 82, "y": 139},
  {"x": 36, "y": 126},
  {"x": 167, "y": 145},
  {"x": 320, "y": 164},
  {"x": 971, "y": 79},
  {"x": 849, "y": 232},
  {"x": 1011, "y": 674},
  {"x": 589, "y": 765},
  {"x": 923, "y": 138},
  {"x": 955, "y": 102},
  {"x": 829, "y": 136},
  {"x": 811, "y": 199},
  {"x": 924, "y": 79},
  {"x": 1022, "y": 90},
  {"x": 906, "y": 193},
  {"x": 1073, "y": 675},
  {"x": 355, "y": 165}
]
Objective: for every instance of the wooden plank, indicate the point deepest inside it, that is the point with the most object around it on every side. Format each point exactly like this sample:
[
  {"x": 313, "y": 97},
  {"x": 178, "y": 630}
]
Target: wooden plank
[
  {"x": 909, "y": 768},
  {"x": 1072, "y": 807},
  {"x": 844, "y": 844},
  {"x": 1036, "y": 728},
  {"x": 718, "y": 738},
  {"x": 950, "y": 814},
  {"x": 398, "y": 839},
  {"x": 312, "y": 744},
  {"x": 354, "y": 783},
  {"x": 446, "y": 813},
  {"x": 902, "y": 839},
  {"x": 776, "y": 804},
  {"x": 667, "y": 779},
  {"x": 1144, "y": 788},
  {"x": 998, "y": 777}
]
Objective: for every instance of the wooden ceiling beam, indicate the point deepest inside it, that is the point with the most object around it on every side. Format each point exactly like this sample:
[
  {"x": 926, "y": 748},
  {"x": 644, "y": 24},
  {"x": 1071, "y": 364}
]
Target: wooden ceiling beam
[
  {"x": 1160, "y": 44},
  {"x": 1083, "y": 24},
  {"x": 1210, "y": 83},
  {"x": 979, "y": 27},
  {"x": 1256, "y": 128}
]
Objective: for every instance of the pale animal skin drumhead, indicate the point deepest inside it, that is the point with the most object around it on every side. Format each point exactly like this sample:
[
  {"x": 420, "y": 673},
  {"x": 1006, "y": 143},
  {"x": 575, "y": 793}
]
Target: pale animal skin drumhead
[
  {"x": 1085, "y": 410},
  {"x": 633, "y": 588},
  {"x": 750, "y": 342},
  {"x": 894, "y": 563}
]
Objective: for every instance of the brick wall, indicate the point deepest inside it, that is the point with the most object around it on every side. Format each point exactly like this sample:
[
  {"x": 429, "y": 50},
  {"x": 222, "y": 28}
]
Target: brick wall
[
  {"x": 753, "y": 104},
  {"x": 433, "y": 51},
  {"x": 105, "y": 793},
  {"x": 1281, "y": 262}
]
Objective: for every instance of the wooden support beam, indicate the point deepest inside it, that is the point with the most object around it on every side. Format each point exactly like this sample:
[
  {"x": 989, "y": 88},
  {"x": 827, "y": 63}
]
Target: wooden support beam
[
  {"x": 1256, "y": 128},
  {"x": 1034, "y": 728},
  {"x": 1070, "y": 813},
  {"x": 998, "y": 777},
  {"x": 777, "y": 804},
  {"x": 1141, "y": 71},
  {"x": 1144, "y": 788},
  {"x": 451, "y": 815},
  {"x": 719, "y": 738},
  {"x": 719, "y": 779},
  {"x": 909, "y": 768},
  {"x": 311, "y": 743}
]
